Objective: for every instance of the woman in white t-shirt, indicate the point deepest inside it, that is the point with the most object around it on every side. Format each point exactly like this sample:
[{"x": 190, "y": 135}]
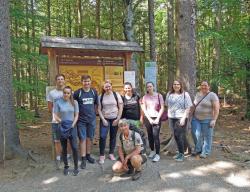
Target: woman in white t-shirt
[
  {"x": 178, "y": 102},
  {"x": 110, "y": 106}
]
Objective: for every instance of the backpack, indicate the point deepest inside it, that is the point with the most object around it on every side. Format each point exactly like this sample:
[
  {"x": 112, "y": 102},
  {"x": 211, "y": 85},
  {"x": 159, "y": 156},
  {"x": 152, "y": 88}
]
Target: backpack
[
  {"x": 80, "y": 93},
  {"x": 134, "y": 130},
  {"x": 115, "y": 96}
]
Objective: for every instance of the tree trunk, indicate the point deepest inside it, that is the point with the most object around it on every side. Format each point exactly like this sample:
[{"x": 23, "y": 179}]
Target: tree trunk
[
  {"x": 36, "y": 74},
  {"x": 152, "y": 42},
  {"x": 97, "y": 19},
  {"x": 111, "y": 2},
  {"x": 247, "y": 64},
  {"x": 170, "y": 45},
  {"x": 48, "y": 31},
  {"x": 9, "y": 140},
  {"x": 80, "y": 18},
  {"x": 185, "y": 44},
  {"x": 128, "y": 30},
  {"x": 29, "y": 74}
]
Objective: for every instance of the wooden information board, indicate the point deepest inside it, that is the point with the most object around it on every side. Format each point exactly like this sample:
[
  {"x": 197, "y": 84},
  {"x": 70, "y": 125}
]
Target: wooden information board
[{"x": 98, "y": 74}]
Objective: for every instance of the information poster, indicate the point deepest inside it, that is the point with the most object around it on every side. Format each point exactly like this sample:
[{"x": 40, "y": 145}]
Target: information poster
[
  {"x": 73, "y": 75},
  {"x": 115, "y": 75},
  {"x": 151, "y": 72},
  {"x": 129, "y": 76}
]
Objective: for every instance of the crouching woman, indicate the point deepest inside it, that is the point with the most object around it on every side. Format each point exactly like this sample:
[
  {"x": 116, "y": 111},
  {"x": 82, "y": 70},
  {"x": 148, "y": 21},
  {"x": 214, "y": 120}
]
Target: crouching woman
[{"x": 129, "y": 146}]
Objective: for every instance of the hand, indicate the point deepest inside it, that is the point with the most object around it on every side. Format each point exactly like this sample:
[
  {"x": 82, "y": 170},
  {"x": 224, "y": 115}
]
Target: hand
[
  {"x": 73, "y": 125},
  {"x": 125, "y": 167},
  {"x": 156, "y": 121},
  {"x": 105, "y": 122},
  {"x": 212, "y": 123},
  {"x": 115, "y": 122},
  {"x": 182, "y": 121}
]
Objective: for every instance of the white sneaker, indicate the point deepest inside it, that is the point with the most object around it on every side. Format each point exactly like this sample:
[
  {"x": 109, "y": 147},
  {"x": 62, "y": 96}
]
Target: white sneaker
[
  {"x": 101, "y": 160},
  {"x": 151, "y": 154},
  {"x": 156, "y": 158}
]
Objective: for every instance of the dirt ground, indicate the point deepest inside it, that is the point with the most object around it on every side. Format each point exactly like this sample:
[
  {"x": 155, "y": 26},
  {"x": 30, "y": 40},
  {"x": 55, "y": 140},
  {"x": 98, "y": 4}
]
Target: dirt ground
[{"x": 228, "y": 169}]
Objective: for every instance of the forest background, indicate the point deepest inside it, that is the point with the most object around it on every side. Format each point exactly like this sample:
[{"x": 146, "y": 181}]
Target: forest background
[{"x": 222, "y": 31}]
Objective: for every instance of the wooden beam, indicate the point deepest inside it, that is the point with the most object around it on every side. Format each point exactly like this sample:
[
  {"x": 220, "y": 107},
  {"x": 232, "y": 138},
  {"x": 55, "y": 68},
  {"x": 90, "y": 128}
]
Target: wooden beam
[{"x": 53, "y": 68}]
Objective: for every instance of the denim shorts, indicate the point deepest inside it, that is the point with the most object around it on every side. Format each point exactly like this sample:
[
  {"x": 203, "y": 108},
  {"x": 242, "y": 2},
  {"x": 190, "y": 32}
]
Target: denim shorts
[
  {"x": 86, "y": 129},
  {"x": 56, "y": 133}
]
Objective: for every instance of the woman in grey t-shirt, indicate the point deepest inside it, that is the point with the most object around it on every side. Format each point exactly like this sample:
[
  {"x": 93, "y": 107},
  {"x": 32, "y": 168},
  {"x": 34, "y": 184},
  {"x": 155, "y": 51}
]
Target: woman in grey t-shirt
[
  {"x": 66, "y": 113},
  {"x": 204, "y": 119}
]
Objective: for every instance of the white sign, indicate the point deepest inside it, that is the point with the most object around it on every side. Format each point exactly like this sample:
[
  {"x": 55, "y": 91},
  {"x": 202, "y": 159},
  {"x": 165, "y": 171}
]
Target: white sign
[
  {"x": 129, "y": 76},
  {"x": 151, "y": 73}
]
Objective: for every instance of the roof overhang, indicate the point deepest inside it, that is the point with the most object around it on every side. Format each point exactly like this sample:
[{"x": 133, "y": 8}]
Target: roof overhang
[{"x": 87, "y": 44}]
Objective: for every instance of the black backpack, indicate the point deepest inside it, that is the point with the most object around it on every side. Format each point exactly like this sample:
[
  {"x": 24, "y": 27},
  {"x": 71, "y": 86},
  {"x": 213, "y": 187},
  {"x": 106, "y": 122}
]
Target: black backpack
[{"x": 135, "y": 129}]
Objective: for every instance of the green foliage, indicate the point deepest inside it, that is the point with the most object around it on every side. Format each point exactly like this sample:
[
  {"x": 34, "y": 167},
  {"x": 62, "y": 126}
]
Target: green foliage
[{"x": 24, "y": 116}]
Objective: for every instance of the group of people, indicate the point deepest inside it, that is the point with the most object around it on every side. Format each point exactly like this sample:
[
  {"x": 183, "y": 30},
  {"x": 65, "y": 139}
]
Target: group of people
[{"x": 74, "y": 115}]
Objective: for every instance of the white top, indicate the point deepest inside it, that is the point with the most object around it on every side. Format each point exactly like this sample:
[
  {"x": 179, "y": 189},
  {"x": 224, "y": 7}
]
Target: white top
[
  {"x": 53, "y": 96},
  {"x": 177, "y": 105}
]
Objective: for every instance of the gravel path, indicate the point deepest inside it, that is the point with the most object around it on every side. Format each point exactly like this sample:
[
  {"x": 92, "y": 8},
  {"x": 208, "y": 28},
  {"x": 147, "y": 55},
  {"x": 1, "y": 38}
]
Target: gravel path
[{"x": 212, "y": 174}]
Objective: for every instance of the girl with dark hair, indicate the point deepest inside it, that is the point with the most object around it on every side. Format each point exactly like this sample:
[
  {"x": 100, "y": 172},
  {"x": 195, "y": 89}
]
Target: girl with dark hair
[
  {"x": 153, "y": 106},
  {"x": 110, "y": 107},
  {"x": 178, "y": 102},
  {"x": 131, "y": 105},
  {"x": 66, "y": 113}
]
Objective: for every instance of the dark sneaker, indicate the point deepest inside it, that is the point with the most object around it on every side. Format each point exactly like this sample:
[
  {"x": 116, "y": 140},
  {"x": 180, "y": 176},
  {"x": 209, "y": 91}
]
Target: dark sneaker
[
  {"x": 203, "y": 156},
  {"x": 136, "y": 175},
  {"x": 75, "y": 172},
  {"x": 90, "y": 159},
  {"x": 129, "y": 173},
  {"x": 180, "y": 157},
  {"x": 57, "y": 164},
  {"x": 83, "y": 164},
  {"x": 194, "y": 153},
  {"x": 66, "y": 171}
]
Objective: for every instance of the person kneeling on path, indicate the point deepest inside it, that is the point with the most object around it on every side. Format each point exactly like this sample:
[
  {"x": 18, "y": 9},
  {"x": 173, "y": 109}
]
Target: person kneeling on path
[{"x": 129, "y": 151}]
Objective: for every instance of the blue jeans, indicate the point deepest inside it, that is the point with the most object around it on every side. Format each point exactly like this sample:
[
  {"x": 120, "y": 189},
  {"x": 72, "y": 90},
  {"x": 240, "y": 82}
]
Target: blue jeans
[
  {"x": 202, "y": 135},
  {"x": 103, "y": 136}
]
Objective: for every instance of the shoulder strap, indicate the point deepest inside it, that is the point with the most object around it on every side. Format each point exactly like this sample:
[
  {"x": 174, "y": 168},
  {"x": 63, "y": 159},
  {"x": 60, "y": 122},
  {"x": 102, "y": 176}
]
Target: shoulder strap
[
  {"x": 184, "y": 99},
  {"x": 101, "y": 99},
  {"x": 116, "y": 98},
  {"x": 123, "y": 150},
  {"x": 201, "y": 100},
  {"x": 93, "y": 92},
  {"x": 159, "y": 99},
  {"x": 133, "y": 137},
  {"x": 80, "y": 94}
]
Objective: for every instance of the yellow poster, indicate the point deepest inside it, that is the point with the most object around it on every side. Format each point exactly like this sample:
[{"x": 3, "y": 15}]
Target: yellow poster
[
  {"x": 115, "y": 74},
  {"x": 73, "y": 75}
]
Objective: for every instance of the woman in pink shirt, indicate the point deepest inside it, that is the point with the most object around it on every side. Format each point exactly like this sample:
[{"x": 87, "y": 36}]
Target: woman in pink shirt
[{"x": 153, "y": 107}]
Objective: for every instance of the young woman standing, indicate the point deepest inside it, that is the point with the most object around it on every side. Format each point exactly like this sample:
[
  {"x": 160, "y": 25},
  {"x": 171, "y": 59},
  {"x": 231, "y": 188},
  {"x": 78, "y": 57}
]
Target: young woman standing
[
  {"x": 153, "y": 106},
  {"x": 110, "y": 107},
  {"x": 66, "y": 113},
  {"x": 178, "y": 102}
]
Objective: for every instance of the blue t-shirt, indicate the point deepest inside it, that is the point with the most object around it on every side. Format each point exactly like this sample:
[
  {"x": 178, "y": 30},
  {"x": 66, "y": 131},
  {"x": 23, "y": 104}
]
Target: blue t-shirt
[
  {"x": 86, "y": 102},
  {"x": 65, "y": 109}
]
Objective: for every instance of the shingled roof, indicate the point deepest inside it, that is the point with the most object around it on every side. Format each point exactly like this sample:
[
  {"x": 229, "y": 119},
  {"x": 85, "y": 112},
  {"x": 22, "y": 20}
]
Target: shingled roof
[{"x": 87, "y": 44}]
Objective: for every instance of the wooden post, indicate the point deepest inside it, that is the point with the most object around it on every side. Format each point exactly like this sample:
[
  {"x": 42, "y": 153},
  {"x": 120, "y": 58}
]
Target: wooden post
[
  {"x": 53, "y": 69},
  {"x": 128, "y": 66}
]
